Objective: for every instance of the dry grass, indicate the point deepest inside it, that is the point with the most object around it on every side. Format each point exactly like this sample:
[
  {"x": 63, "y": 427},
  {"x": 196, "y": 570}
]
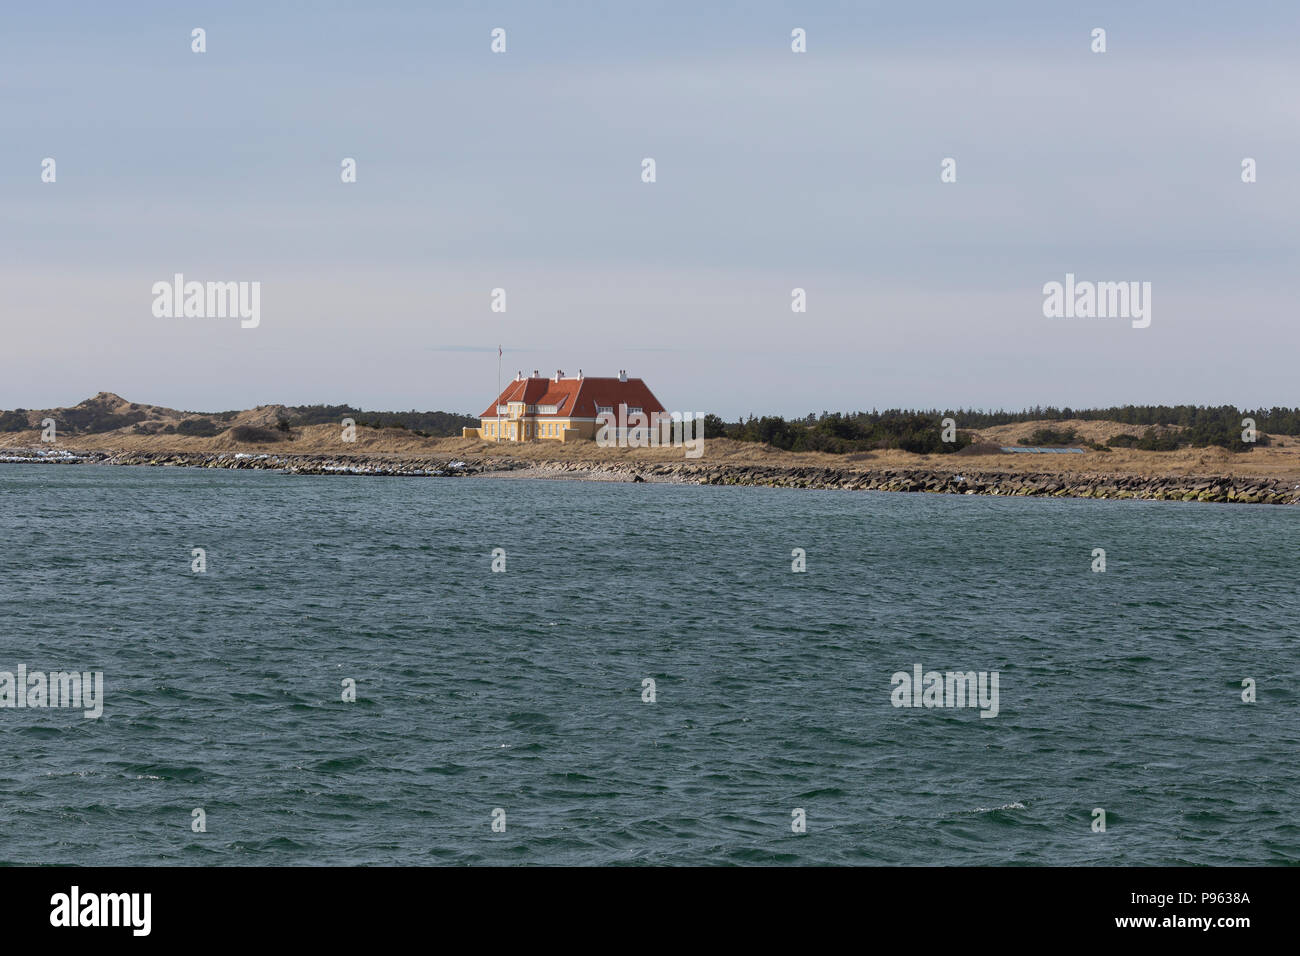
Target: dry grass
[{"x": 1086, "y": 431}]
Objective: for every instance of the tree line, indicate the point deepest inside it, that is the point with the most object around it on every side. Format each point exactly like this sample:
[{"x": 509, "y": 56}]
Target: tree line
[{"x": 922, "y": 431}]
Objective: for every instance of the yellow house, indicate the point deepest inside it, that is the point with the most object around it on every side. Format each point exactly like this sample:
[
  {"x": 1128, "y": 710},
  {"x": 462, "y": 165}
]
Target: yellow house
[{"x": 562, "y": 408}]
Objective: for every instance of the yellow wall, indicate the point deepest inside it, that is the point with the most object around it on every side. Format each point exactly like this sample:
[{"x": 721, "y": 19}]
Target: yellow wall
[{"x": 527, "y": 429}]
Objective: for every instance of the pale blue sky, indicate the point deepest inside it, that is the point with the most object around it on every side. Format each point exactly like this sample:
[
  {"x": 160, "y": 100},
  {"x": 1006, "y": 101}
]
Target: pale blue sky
[{"x": 775, "y": 170}]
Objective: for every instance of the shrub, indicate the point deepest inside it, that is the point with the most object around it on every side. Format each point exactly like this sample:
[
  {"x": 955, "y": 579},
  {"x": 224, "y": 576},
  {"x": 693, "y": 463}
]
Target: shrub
[
  {"x": 253, "y": 434},
  {"x": 198, "y": 427},
  {"x": 714, "y": 427},
  {"x": 1151, "y": 440},
  {"x": 838, "y": 434},
  {"x": 437, "y": 424}
]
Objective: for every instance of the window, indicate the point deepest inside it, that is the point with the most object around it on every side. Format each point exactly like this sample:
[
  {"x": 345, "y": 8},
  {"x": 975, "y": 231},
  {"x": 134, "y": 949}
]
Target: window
[
  {"x": 604, "y": 410},
  {"x": 634, "y": 410}
]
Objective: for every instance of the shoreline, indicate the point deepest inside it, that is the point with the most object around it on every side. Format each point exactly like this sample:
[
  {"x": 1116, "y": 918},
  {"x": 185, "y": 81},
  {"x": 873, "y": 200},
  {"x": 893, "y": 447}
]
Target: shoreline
[{"x": 975, "y": 481}]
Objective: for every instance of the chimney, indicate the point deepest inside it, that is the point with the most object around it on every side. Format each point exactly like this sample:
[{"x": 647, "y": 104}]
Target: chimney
[
  {"x": 579, "y": 373},
  {"x": 622, "y": 375},
  {"x": 536, "y": 374},
  {"x": 558, "y": 373}
]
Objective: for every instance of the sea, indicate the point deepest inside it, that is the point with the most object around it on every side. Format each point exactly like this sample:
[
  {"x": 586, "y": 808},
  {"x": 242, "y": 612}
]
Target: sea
[{"x": 419, "y": 671}]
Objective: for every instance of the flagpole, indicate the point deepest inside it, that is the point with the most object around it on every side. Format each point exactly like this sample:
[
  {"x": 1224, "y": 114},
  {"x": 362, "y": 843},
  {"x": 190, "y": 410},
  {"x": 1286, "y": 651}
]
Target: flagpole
[{"x": 498, "y": 436}]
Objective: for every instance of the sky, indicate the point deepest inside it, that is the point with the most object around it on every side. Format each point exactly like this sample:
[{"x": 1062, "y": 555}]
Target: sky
[{"x": 775, "y": 170}]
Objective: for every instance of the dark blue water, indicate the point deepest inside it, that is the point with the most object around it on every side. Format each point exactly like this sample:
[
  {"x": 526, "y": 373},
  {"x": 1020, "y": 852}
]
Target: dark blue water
[{"x": 522, "y": 690}]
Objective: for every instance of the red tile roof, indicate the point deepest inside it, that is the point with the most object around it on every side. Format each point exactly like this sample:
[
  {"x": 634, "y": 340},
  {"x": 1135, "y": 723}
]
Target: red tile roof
[{"x": 577, "y": 397}]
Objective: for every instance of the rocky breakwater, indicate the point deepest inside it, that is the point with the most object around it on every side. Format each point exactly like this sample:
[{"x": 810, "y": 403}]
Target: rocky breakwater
[
  {"x": 306, "y": 464},
  {"x": 1163, "y": 488},
  {"x": 1011, "y": 484},
  {"x": 46, "y": 456}
]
